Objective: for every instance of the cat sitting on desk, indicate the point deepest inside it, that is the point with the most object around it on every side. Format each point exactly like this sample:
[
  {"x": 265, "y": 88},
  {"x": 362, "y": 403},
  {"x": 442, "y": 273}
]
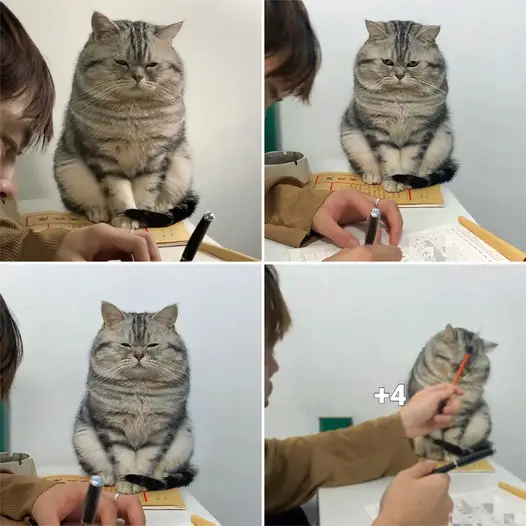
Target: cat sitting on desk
[
  {"x": 133, "y": 427},
  {"x": 438, "y": 362},
  {"x": 396, "y": 130}
]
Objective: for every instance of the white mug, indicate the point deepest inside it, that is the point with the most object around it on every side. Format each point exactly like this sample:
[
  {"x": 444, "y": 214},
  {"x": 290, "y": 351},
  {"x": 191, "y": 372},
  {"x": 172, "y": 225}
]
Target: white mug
[
  {"x": 287, "y": 164},
  {"x": 18, "y": 464}
]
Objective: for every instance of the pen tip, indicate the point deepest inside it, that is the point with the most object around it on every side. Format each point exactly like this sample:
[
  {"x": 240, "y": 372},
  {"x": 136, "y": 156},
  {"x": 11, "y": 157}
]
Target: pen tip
[{"x": 97, "y": 481}]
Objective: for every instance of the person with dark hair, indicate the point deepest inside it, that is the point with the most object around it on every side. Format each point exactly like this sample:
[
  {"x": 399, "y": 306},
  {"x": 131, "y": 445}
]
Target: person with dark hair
[
  {"x": 294, "y": 212},
  {"x": 295, "y": 468},
  {"x": 46, "y": 502},
  {"x": 27, "y": 96}
]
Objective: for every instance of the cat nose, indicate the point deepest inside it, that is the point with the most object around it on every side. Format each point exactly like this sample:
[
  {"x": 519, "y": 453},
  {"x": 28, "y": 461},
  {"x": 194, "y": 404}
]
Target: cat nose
[
  {"x": 138, "y": 77},
  {"x": 400, "y": 75},
  {"x": 139, "y": 355}
]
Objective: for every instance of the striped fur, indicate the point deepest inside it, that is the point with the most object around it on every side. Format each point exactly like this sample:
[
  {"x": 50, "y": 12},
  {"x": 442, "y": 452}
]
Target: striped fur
[
  {"x": 124, "y": 142},
  {"x": 133, "y": 419},
  {"x": 438, "y": 362},
  {"x": 396, "y": 130}
]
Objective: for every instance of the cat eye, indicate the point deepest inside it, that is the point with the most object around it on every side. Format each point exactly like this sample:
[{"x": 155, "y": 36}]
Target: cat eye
[
  {"x": 121, "y": 63},
  {"x": 152, "y": 345},
  {"x": 412, "y": 64},
  {"x": 126, "y": 345},
  {"x": 152, "y": 65},
  {"x": 387, "y": 62}
]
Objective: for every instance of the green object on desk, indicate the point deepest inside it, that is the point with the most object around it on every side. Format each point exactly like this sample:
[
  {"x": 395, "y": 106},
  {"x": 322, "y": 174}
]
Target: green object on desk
[
  {"x": 331, "y": 423},
  {"x": 272, "y": 129},
  {"x": 4, "y": 426}
]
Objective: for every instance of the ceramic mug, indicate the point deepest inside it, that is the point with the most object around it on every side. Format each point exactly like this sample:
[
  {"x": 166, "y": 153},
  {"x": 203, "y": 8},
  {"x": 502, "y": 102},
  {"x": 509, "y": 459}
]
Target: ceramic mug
[
  {"x": 18, "y": 464},
  {"x": 287, "y": 164}
]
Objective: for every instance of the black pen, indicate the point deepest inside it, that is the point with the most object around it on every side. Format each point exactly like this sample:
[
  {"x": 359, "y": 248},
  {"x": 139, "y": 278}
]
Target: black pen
[
  {"x": 372, "y": 230},
  {"x": 197, "y": 237},
  {"x": 464, "y": 461},
  {"x": 91, "y": 503}
]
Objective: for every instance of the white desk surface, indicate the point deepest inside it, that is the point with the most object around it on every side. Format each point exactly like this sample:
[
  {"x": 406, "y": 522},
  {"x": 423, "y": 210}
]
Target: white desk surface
[
  {"x": 415, "y": 220},
  {"x": 40, "y": 205},
  {"x": 153, "y": 517},
  {"x": 344, "y": 506}
]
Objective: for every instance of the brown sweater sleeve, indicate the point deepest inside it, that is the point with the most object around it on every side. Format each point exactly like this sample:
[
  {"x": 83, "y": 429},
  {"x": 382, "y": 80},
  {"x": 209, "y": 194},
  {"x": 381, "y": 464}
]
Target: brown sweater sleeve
[
  {"x": 22, "y": 244},
  {"x": 290, "y": 207},
  {"x": 295, "y": 468},
  {"x": 18, "y": 494}
]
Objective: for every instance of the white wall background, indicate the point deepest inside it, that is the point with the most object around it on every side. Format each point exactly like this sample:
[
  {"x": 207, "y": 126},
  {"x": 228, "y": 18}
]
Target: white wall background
[
  {"x": 221, "y": 45},
  {"x": 357, "y": 329},
  {"x": 58, "y": 309},
  {"x": 482, "y": 42}
]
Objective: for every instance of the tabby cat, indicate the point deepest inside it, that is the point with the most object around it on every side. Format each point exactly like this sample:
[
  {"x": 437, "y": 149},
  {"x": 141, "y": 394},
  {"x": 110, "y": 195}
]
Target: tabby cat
[
  {"x": 133, "y": 428},
  {"x": 396, "y": 131},
  {"x": 439, "y": 362},
  {"x": 124, "y": 145}
]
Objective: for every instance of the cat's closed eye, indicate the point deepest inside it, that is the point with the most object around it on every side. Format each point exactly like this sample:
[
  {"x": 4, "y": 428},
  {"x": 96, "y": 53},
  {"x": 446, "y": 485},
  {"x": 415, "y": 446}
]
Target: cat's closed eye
[
  {"x": 151, "y": 65},
  {"x": 412, "y": 64},
  {"x": 387, "y": 62},
  {"x": 127, "y": 345},
  {"x": 121, "y": 63},
  {"x": 152, "y": 345}
]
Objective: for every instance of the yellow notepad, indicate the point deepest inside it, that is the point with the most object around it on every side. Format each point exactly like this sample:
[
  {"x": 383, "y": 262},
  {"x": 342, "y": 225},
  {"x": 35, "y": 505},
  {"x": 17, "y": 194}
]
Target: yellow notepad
[
  {"x": 423, "y": 197},
  {"x": 170, "y": 499},
  {"x": 171, "y": 236}
]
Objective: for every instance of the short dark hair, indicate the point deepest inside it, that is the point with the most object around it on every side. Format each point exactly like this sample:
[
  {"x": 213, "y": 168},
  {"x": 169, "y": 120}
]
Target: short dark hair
[
  {"x": 289, "y": 34},
  {"x": 24, "y": 73},
  {"x": 11, "y": 349},
  {"x": 277, "y": 316}
]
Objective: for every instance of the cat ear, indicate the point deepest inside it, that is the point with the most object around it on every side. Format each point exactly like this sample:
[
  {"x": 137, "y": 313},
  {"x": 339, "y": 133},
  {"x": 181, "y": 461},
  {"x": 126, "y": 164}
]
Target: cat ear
[
  {"x": 111, "y": 314},
  {"x": 376, "y": 30},
  {"x": 449, "y": 332},
  {"x": 428, "y": 34},
  {"x": 488, "y": 346},
  {"x": 102, "y": 25},
  {"x": 167, "y": 316},
  {"x": 168, "y": 33}
]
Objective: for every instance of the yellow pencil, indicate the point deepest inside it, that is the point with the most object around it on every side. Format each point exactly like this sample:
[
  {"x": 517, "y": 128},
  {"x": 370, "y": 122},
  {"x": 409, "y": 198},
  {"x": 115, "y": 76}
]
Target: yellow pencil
[
  {"x": 199, "y": 521},
  {"x": 521, "y": 493}
]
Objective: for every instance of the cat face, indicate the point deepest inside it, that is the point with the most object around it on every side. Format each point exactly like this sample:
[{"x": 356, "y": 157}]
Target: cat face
[
  {"x": 139, "y": 346},
  {"x": 461, "y": 341},
  {"x": 130, "y": 60},
  {"x": 401, "y": 56}
]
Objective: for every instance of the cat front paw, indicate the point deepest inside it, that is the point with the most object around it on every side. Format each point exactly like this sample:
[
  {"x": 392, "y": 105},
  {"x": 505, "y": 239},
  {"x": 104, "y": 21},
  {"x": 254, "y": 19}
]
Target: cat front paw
[
  {"x": 127, "y": 488},
  {"x": 372, "y": 178},
  {"x": 125, "y": 222},
  {"x": 108, "y": 478},
  {"x": 98, "y": 215},
  {"x": 392, "y": 186}
]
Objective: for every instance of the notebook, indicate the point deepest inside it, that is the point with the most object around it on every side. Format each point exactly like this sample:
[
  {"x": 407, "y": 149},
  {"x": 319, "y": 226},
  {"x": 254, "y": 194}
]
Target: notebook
[
  {"x": 151, "y": 500},
  {"x": 446, "y": 243},
  {"x": 424, "y": 197},
  {"x": 176, "y": 235}
]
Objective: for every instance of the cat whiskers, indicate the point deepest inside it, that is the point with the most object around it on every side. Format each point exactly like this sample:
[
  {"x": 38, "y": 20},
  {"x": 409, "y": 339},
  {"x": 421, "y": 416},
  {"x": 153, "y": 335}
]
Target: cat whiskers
[{"x": 429, "y": 85}]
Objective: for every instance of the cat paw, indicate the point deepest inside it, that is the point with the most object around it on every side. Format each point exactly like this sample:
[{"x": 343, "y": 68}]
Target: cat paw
[
  {"x": 98, "y": 215},
  {"x": 108, "y": 478},
  {"x": 127, "y": 488},
  {"x": 392, "y": 186},
  {"x": 125, "y": 222},
  {"x": 372, "y": 178}
]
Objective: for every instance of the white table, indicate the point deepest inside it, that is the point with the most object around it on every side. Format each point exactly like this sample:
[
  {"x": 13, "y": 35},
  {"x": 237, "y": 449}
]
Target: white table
[
  {"x": 415, "y": 220},
  {"x": 345, "y": 506},
  {"x": 41, "y": 205},
  {"x": 153, "y": 517}
]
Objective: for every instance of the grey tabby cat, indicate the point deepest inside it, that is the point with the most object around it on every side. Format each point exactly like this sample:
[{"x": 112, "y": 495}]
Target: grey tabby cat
[
  {"x": 396, "y": 131},
  {"x": 124, "y": 144},
  {"x": 439, "y": 362},
  {"x": 133, "y": 427}
]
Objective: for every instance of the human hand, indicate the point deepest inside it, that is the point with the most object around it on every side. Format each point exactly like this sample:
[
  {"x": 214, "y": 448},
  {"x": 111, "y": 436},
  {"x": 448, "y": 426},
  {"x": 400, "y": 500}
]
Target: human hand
[
  {"x": 368, "y": 253},
  {"x": 420, "y": 415},
  {"x": 345, "y": 207},
  {"x": 415, "y": 497},
  {"x": 64, "y": 502},
  {"x": 103, "y": 242}
]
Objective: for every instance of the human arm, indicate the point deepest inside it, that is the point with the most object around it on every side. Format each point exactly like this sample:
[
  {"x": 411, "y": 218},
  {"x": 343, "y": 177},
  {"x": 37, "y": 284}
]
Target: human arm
[
  {"x": 295, "y": 468},
  {"x": 18, "y": 494}
]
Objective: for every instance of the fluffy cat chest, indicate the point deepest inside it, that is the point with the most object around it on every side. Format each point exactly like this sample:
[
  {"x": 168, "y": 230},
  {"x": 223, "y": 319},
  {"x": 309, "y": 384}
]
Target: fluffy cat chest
[{"x": 130, "y": 156}]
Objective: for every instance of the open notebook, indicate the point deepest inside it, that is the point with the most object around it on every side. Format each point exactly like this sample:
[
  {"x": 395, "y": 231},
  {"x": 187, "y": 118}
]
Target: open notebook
[
  {"x": 447, "y": 243},
  {"x": 424, "y": 197},
  {"x": 151, "y": 500},
  {"x": 173, "y": 236}
]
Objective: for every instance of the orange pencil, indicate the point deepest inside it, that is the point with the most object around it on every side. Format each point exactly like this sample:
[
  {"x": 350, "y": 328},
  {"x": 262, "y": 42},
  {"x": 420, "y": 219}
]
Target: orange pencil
[{"x": 457, "y": 378}]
